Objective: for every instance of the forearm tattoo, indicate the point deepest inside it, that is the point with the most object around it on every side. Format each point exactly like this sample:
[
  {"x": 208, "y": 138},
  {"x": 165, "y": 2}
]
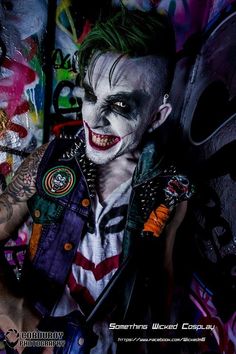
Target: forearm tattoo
[{"x": 22, "y": 186}]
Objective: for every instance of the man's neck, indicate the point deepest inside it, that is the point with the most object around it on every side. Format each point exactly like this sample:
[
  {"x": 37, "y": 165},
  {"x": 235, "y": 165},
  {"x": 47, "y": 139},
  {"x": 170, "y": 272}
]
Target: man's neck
[{"x": 114, "y": 173}]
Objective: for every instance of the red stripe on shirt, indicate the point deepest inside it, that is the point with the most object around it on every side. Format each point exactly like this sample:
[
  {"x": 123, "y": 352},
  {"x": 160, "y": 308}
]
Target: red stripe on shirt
[
  {"x": 101, "y": 269},
  {"x": 79, "y": 292}
]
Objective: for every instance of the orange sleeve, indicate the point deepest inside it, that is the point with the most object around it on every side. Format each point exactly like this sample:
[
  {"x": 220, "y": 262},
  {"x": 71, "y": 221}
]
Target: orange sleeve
[{"x": 157, "y": 220}]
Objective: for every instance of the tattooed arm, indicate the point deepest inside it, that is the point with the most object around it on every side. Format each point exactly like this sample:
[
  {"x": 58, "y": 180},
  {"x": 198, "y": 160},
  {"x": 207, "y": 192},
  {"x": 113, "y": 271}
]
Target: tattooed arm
[
  {"x": 15, "y": 311},
  {"x": 13, "y": 201}
]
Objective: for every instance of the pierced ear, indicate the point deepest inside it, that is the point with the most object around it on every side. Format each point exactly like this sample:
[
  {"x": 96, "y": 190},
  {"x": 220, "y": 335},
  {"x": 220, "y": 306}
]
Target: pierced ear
[{"x": 160, "y": 117}]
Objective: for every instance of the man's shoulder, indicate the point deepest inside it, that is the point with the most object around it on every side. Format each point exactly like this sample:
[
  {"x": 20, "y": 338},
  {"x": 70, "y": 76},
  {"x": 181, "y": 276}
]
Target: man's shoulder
[{"x": 63, "y": 147}]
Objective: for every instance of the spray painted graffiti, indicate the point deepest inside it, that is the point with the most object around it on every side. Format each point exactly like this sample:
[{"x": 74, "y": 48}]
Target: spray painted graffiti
[
  {"x": 21, "y": 96},
  {"x": 11, "y": 93},
  {"x": 21, "y": 77},
  {"x": 71, "y": 28}
]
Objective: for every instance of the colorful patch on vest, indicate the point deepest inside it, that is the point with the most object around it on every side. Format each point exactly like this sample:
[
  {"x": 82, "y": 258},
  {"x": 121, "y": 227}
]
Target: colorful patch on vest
[{"x": 59, "y": 181}]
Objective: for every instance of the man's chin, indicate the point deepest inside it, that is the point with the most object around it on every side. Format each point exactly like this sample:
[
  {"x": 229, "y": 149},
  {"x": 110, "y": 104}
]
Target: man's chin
[{"x": 100, "y": 158}]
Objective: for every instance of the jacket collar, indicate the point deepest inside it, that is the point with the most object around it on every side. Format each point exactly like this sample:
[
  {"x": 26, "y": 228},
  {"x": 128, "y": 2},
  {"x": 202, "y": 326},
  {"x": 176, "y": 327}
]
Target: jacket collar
[{"x": 150, "y": 162}]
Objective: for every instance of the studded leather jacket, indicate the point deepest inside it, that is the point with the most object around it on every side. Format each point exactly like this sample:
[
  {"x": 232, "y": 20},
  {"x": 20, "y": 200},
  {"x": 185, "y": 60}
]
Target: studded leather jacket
[{"x": 60, "y": 210}]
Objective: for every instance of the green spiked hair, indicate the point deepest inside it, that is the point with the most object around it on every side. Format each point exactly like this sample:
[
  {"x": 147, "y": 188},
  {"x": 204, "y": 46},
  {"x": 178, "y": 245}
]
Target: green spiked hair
[{"x": 131, "y": 33}]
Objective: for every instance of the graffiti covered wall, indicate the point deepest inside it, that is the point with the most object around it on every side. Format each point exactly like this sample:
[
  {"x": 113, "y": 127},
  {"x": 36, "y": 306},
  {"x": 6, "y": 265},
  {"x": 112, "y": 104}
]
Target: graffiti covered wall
[
  {"x": 21, "y": 80},
  {"x": 71, "y": 28},
  {"x": 22, "y": 88}
]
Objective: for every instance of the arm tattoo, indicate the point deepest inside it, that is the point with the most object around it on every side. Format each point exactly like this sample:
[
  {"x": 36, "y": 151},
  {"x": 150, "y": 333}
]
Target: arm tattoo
[{"x": 22, "y": 186}]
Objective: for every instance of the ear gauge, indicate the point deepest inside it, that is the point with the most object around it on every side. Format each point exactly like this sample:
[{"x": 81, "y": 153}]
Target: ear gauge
[{"x": 165, "y": 98}]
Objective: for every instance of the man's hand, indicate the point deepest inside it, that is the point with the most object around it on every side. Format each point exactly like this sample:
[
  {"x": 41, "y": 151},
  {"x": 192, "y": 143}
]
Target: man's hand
[{"x": 13, "y": 201}]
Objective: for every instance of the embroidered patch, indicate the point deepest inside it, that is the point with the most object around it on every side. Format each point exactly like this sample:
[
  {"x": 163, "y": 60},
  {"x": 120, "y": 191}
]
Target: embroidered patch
[{"x": 58, "y": 181}]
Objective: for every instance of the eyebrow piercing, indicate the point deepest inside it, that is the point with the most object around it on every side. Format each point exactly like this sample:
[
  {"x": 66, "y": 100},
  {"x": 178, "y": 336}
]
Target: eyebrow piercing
[{"x": 165, "y": 98}]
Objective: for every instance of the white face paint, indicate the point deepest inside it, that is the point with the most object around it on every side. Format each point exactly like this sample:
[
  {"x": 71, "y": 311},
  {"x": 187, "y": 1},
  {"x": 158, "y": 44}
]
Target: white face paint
[{"x": 118, "y": 106}]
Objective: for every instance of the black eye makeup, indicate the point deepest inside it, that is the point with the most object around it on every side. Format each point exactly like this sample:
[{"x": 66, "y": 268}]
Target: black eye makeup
[
  {"x": 125, "y": 103},
  {"x": 121, "y": 106}
]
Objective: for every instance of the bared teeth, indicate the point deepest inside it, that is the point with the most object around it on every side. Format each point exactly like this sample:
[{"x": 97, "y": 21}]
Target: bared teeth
[{"x": 103, "y": 140}]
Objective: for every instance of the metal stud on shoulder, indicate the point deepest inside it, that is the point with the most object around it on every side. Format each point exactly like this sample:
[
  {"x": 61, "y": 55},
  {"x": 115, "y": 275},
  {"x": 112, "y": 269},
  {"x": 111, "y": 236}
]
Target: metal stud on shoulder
[
  {"x": 72, "y": 151},
  {"x": 171, "y": 170}
]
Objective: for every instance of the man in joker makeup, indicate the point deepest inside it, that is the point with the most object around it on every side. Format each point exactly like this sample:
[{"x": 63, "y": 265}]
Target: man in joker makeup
[{"x": 102, "y": 240}]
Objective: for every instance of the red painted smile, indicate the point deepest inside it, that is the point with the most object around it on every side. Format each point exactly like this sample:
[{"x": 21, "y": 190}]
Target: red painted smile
[{"x": 101, "y": 141}]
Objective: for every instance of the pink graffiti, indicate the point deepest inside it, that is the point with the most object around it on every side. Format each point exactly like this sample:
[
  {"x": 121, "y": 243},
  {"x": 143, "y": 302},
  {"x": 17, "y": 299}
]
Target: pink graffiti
[
  {"x": 208, "y": 314},
  {"x": 86, "y": 30},
  {"x": 5, "y": 168},
  {"x": 188, "y": 17},
  {"x": 12, "y": 89}
]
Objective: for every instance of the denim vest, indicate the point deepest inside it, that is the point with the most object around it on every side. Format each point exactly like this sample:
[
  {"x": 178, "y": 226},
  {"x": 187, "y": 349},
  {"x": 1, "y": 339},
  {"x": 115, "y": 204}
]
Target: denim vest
[{"x": 59, "y": 220}]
